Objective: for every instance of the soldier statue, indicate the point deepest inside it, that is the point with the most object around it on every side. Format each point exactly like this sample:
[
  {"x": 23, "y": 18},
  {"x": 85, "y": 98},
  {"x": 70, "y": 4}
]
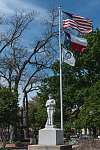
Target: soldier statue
[{"x": 50, "y": 104}]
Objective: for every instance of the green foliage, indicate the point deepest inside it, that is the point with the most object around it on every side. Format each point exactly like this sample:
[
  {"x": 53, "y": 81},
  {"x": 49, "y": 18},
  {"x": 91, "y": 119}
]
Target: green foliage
[
  {"x": 89, "y": 115},
  {"x": 8, "y": 109},
  {"x": 35, "y": 120},
  {"x": 81, "y": 89},
  {"x": 51, "y": 85}
]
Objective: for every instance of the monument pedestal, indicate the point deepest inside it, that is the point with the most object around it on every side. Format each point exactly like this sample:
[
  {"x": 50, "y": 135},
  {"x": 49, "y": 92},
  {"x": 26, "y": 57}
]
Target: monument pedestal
[{"x": 50, "y": 136}]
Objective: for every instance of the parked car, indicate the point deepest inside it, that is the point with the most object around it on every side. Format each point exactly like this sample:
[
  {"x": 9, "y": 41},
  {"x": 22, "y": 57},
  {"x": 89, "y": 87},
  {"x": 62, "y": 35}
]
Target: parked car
[{"x": 84, "y": 136}]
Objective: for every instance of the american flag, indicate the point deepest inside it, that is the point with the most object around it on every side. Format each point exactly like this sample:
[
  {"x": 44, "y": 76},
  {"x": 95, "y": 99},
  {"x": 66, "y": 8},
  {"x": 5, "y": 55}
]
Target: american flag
[{"x": 81, "y": 24}]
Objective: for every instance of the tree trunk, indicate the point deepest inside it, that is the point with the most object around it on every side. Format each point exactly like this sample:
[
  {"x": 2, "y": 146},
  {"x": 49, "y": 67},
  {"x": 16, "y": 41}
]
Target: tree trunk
[
  {"x": 15, "y": 134},
  {"x": 27, "y": 126},
  {"x": 25, "y": 115},
  {"x": 11, "y": 133},
  {"x": 3, "y": 137},
  {"x": 94, "y": 131}
]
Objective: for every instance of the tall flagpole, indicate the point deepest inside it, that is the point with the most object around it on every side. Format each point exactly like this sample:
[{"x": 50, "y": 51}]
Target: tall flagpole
[{"x": 61, "y": 99}]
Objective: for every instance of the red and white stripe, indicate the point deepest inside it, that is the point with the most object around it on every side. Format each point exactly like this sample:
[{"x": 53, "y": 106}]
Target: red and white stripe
[
  {"x": 81, "y": 24},
  {"x": 78, "y": 43}
]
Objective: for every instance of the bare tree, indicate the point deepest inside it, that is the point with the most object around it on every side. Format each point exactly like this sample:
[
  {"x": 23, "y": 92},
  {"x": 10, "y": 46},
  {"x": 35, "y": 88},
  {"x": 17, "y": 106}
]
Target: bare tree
[
  {"x": 20, "y": 64},
  {"x": 15, "y": 25}
]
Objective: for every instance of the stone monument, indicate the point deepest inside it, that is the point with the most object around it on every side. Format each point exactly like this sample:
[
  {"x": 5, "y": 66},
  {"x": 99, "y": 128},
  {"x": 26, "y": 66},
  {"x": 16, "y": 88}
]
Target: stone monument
[
  {"x": 50, "y": 138},
  {"x": 50, "y": 135}
]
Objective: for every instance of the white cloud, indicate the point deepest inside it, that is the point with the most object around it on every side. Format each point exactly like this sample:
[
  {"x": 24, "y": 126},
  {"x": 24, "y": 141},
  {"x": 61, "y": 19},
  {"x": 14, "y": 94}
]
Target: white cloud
[
  {"x": 4, "y": 8},
  {"x": 8, "y": 6}
]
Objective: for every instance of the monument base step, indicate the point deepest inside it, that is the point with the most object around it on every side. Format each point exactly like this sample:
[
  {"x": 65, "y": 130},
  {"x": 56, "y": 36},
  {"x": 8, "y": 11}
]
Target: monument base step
[{"x": 50, "y": 147}]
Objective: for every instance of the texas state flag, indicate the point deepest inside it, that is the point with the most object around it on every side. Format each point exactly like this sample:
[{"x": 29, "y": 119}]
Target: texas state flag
[{"x": 76, "y": 43}]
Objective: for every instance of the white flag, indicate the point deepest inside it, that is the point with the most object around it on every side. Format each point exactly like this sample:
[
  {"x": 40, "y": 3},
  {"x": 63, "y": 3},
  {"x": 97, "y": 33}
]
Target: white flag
[{"x": 68, "y": 57}]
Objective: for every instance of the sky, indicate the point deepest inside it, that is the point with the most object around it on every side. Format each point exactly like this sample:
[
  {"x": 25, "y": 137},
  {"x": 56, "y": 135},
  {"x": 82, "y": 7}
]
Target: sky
[{"x": 84, "y": 8}]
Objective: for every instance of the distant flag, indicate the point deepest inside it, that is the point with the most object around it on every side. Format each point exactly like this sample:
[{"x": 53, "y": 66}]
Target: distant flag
[
  {"x": 81, "y": 24},
  {"x": 76, "y": 43},
  {"x": 68, "y": 57}
]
